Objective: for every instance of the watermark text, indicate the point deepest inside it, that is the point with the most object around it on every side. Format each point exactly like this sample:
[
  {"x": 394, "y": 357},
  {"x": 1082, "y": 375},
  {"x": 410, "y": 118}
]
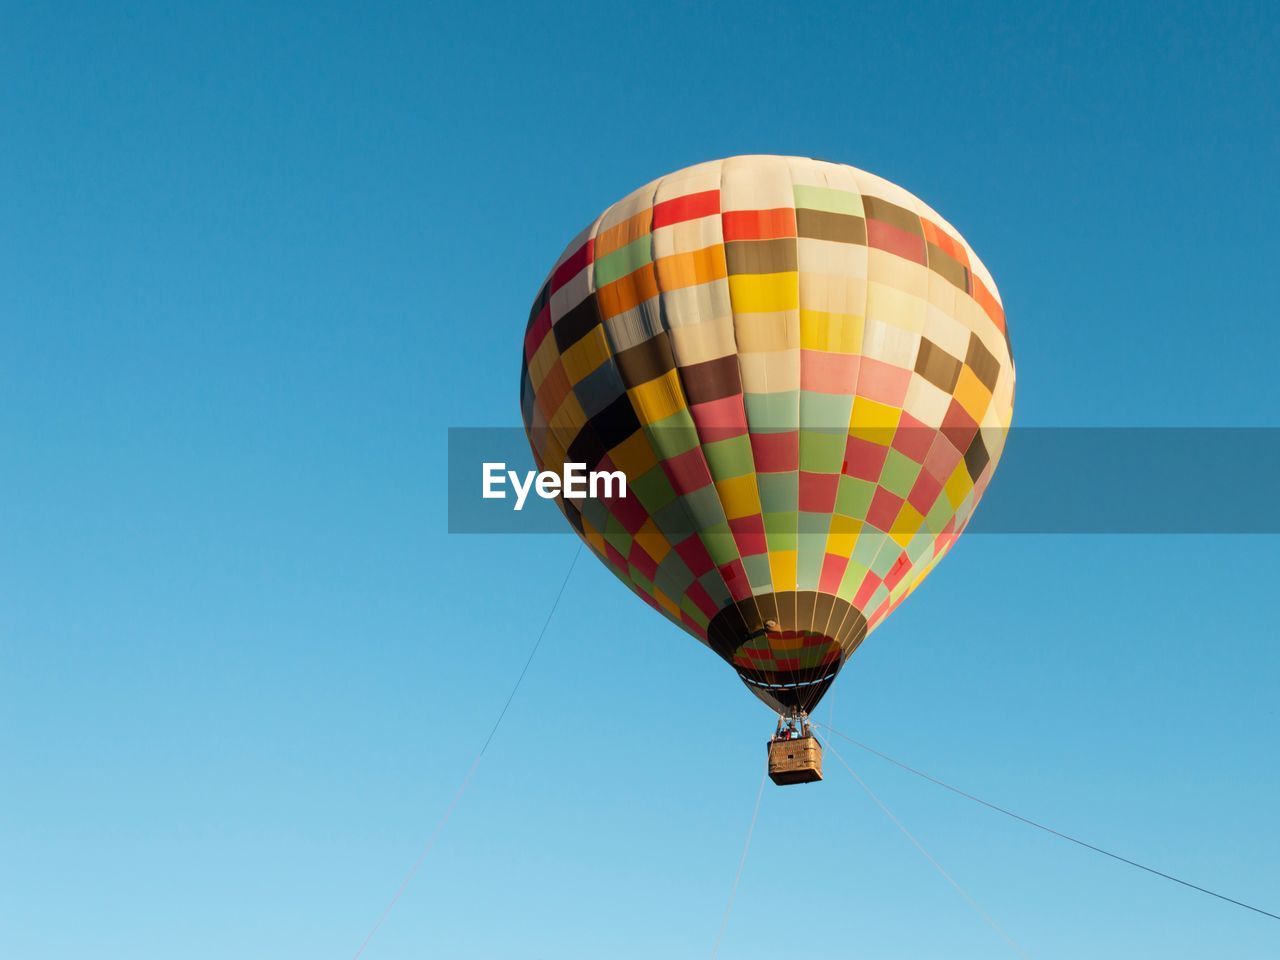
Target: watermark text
[{"x": 576, "y": 483}]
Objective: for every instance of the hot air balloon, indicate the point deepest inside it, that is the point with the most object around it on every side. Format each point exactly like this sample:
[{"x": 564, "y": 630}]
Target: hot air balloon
[{"x": 804, "y": 373}]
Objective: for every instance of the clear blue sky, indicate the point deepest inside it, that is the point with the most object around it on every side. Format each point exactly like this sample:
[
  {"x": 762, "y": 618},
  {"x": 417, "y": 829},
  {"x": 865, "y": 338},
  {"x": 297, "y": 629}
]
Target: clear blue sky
[{"x": 255, "y": 259}]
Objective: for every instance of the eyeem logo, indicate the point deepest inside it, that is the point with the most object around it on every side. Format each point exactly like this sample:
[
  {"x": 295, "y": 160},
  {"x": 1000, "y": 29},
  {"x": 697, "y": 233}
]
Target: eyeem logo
[{"x": 576, "y": 484}]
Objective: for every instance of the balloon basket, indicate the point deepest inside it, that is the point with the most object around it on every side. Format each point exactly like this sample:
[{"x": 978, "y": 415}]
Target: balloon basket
[{"x": 795, "y": 760}]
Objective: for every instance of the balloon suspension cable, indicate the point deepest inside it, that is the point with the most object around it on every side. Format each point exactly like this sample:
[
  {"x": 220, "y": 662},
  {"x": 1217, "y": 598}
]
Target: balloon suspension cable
[
  {"x": 466, "y": 780},
  {"x": 902, "y": 828},
  {"x": 1040, "y": 826},
  {"x": 742, "y": 862}
]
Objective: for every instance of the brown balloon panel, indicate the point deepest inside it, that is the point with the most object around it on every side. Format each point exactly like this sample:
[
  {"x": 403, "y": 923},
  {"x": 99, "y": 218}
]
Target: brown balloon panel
[{"x": 788, "y": 647}]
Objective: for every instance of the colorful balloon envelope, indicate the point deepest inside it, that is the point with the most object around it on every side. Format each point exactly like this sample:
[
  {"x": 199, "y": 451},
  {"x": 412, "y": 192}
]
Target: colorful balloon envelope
[{"x": 805, "y": 376}]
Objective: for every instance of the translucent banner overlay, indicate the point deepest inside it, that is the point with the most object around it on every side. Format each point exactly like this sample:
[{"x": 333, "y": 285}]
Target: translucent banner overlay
[{"x": 1131, "y": 480}]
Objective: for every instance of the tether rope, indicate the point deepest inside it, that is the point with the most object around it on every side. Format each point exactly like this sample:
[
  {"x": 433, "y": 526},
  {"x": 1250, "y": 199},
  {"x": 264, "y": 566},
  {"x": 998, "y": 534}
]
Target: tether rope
[
  {"x": 742, "y": 862},
  {"x": 928, "y": 856},
  {"x": 1047, "y": 829},
  {"x": 466, "y": 780}
]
